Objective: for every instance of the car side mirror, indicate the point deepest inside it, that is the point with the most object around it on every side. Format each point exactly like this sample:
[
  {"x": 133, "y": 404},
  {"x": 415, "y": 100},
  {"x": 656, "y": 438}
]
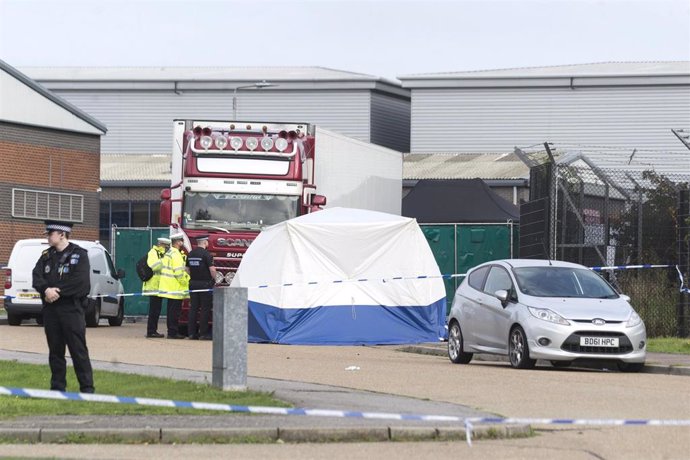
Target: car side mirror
[
  {"x": 625, "y": 297},
  {"x": 120, "y": 273},
  {"x": 503, "y": 296}
]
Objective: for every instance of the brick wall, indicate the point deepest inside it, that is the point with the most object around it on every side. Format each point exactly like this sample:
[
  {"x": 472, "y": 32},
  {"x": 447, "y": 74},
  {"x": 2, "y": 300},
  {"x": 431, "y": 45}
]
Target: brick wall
[{"x": 48, "y": 160}]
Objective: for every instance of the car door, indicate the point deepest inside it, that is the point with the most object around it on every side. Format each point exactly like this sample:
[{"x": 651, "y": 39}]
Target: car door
[
  {"x": 102, "y": 282},
  {"x": 495, "y": 317},
  {"x": 473, "y": 296}
]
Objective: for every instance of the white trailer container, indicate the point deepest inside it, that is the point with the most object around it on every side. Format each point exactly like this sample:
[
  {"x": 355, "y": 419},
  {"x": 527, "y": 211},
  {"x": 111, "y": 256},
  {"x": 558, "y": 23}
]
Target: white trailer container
[{"x": 356, "y": 174}]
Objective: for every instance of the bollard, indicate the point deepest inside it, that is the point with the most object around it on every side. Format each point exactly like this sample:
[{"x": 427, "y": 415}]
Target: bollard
[{"x": 230, "y": 338}]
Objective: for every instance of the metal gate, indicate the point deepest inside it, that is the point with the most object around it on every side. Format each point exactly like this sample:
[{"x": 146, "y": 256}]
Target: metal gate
[{"x": 127, "y": 246}]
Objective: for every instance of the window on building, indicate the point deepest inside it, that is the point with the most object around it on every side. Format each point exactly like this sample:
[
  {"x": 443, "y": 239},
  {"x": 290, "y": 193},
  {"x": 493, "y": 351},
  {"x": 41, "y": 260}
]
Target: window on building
[
  {"x": 127, "y": 214},
  {"x": 140, "y": 215},
  {"x": 41, "y": 205},
  {"x": 120, "y": 214}
]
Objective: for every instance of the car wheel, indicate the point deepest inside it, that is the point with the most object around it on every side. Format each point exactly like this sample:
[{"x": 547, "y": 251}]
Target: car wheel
[
  {"x": 14, "y": 319},
  {"x": 518, "y": 350},
  {"x": 93, "y": 314},
  {"x": 561, "y": 364},
  {"x": 630, "y": 367},
  {"x": 117, "y": 320},
  {"x": 455, "y": 350}
]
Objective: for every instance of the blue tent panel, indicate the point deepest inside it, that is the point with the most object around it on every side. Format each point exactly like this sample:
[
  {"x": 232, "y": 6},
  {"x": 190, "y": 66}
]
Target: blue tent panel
[{"x": 347, "y": 324}]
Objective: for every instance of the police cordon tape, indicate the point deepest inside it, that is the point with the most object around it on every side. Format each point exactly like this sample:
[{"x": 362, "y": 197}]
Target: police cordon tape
[
  {"x": 468, "y": 422},
  {"x": 683, "y": 289}
]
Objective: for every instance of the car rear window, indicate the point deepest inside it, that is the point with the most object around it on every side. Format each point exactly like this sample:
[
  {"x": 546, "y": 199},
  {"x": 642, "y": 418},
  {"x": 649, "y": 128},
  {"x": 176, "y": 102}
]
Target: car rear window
[{"x": 476, "y": 278}]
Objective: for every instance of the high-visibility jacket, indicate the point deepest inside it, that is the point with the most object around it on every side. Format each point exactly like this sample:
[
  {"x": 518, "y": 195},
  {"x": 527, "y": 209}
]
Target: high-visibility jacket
[
  {"x": 154, "y": 259},
  {"x": 174, "y": 277}
]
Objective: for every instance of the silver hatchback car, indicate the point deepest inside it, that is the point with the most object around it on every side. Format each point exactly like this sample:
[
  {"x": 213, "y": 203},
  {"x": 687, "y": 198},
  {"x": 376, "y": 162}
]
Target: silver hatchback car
[{"x": 540, "y": 309}]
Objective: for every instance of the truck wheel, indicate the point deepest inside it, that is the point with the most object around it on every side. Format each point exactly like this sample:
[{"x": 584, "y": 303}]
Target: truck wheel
[
  {"x": 93, "y": 314},
  {"x": 117, "y": 320},
  {"x": 14, "y": 319}
]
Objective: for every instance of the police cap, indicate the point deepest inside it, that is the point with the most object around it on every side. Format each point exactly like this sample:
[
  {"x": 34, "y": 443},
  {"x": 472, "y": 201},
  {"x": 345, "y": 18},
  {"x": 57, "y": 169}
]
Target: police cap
[
  {"x": 56, "y": 225},
  {"x": 202, "y": 237},
  {"x": 177, "y": 236}
]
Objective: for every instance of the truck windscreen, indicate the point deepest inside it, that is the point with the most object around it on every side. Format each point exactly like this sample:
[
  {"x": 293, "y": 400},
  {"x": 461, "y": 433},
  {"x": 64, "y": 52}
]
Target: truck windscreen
[{"x": 237, "y": 211}]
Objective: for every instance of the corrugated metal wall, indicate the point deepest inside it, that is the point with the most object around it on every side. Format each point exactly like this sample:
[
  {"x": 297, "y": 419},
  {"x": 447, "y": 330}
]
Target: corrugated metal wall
[
  {"x": 141, "y": 121},
  {"x": 390, "y": 121},
  {"x": 497, "y": 119}
]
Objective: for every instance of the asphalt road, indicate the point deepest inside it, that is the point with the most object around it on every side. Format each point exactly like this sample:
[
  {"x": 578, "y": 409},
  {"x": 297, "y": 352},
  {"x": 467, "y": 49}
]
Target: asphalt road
[{"x": 491, "y": 387}]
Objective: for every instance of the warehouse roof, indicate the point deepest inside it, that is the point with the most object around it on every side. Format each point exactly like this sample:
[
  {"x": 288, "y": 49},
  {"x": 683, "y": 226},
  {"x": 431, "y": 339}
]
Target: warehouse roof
[
  {"x": 135, "y": 170},
  {"x": 33, "y": 109},
  {"x": 602, "y": 73},
  {"x": 283, "y": 78},
  {"x": 463, "y": 166}
]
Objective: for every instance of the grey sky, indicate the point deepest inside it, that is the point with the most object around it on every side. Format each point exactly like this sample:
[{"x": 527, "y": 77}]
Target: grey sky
[{"x": 384, "y": 38}]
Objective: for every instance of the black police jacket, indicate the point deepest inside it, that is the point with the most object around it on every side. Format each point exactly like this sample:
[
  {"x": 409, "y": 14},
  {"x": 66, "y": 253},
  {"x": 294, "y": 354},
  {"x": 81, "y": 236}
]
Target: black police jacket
[{"x": 67, "y": 270}]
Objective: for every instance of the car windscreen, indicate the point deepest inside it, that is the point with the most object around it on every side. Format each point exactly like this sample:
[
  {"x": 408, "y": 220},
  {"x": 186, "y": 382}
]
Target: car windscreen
[{"x": 563, "y": 282}]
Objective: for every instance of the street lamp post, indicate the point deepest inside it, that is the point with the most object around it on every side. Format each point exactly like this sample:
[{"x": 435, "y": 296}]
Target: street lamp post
[{"x": 259, "y": 85}]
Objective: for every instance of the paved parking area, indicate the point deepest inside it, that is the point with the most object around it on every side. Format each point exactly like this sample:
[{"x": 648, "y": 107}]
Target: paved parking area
[{"x": 489, "y": 387}]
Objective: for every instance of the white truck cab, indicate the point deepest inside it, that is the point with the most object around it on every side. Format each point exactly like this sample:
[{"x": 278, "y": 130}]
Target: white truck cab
[{"x": 23, "y": 302}]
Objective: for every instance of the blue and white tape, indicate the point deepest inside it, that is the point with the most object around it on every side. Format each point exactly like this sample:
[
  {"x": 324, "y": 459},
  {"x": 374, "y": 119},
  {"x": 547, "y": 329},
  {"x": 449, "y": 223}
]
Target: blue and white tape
[
  {"x": 468, "y": 422},
  {"x": 387, "y": 280}
]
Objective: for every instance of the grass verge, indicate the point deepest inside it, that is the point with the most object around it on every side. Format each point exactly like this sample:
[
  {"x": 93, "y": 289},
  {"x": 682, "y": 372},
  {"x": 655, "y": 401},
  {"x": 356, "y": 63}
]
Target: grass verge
[
  {"x": 669, "y": 345},
  {"x": 14, "y": 374}
]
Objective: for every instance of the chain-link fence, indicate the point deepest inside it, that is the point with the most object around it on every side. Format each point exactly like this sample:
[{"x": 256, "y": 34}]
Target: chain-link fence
[{"x": 594, "y": 215}]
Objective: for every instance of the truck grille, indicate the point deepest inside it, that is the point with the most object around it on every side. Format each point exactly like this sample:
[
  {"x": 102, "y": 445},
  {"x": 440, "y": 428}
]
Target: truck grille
[{"x": 572, "y": 343}]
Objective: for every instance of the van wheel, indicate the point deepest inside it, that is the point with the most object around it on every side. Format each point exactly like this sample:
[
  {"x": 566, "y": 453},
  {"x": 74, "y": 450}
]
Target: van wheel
[
  {"x": 14, "y": 319},
  {"x": 117, "y": 320},
  {"x": 93, "y": 314}
]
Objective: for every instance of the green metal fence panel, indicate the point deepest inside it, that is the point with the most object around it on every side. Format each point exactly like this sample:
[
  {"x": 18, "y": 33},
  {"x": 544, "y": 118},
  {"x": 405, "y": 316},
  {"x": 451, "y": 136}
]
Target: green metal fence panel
[
  {"x": 441, "y": 239},
  {"x": 460, "y": 247},
  {"x": 482, "y": 243},
  {"x": 129, "y": 245}
]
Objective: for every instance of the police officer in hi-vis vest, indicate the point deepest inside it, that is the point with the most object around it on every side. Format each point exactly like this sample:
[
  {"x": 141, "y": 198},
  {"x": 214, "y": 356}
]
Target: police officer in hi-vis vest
[
  {"x": 154, "y": 259},
  {"x": 174, "y": 283},
  {"x": 61, "y": 277}
]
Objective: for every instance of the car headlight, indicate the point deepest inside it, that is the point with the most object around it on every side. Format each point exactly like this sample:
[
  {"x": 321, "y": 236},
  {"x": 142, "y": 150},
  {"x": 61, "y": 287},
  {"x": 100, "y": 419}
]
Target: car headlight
[
  {"x": 548, "y": 315},
  {"x": 634, "y": 320}
]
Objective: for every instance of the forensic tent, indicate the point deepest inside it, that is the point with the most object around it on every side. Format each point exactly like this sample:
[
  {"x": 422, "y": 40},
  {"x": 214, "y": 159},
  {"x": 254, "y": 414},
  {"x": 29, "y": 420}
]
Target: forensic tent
[{"x": 343, "y": 277}]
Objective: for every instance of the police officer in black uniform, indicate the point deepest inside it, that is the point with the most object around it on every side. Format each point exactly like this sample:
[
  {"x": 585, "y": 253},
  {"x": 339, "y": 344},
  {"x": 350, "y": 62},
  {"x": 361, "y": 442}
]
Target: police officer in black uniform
[
  {"x": 202, "y": 275},
  {"x": 61, "y": 277}
]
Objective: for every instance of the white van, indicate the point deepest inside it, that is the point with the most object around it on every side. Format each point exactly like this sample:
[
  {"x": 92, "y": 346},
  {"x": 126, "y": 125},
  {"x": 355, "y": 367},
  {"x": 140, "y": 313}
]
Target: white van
[{"x": 23, "y": 302}]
